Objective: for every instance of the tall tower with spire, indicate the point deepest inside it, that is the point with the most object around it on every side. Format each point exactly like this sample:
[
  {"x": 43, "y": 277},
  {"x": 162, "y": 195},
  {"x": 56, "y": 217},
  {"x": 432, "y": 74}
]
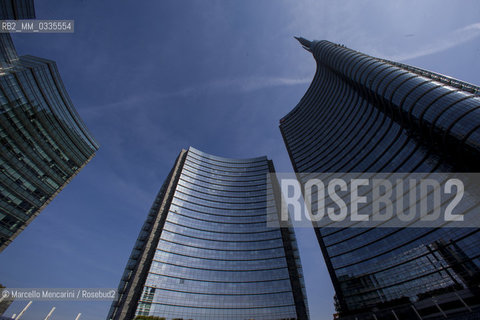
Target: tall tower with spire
[{"x": 366, "y": 114}]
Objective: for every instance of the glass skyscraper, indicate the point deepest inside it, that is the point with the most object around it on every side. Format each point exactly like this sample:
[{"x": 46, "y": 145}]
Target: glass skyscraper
[
  {"x": 205, "y": 251},
  {"x": 44, "y": 143},
  {"x": 365, "y": 114}
]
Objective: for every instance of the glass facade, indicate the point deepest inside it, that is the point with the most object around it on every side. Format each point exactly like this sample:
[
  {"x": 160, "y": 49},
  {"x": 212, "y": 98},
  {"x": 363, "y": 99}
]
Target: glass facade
[
  {"x": 17, "y": 9},
  {"x": 364, "y": 114},
  {"x": 12, "y": 10},
  {"x": 43, "y": 140},
  {"x": 214, "y": 256}
]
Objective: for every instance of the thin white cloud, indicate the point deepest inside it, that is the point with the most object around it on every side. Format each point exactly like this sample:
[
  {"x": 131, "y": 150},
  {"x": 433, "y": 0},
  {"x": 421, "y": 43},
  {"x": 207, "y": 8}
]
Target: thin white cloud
[
  {"x": 242, "y": 85},
  {"x": 447, "y": 41}
]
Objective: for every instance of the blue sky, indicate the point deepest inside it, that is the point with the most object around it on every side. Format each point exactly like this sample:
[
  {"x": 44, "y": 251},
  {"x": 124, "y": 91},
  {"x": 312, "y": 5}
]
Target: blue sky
[{"x": 152, "y": 77}]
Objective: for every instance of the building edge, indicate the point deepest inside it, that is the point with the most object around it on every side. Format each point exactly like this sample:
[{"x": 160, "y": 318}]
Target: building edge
[
  {"x": 288, "y": 239},
  {"x": 36, "y": 213},
  {"x": 138, "y": 265},
  {"x": 326, "y": 257}
]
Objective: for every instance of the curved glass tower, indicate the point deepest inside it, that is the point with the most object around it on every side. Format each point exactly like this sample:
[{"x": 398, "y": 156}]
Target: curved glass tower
[
  {"x": 364, "y": 114},
  {"x": 43, "y": 140},
  {"x": 205, "y": 251}
]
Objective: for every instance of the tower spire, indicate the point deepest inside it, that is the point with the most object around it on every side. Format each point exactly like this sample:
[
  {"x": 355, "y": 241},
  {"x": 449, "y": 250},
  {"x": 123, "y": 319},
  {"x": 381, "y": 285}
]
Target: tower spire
[{"x": 306, "y": 44}]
